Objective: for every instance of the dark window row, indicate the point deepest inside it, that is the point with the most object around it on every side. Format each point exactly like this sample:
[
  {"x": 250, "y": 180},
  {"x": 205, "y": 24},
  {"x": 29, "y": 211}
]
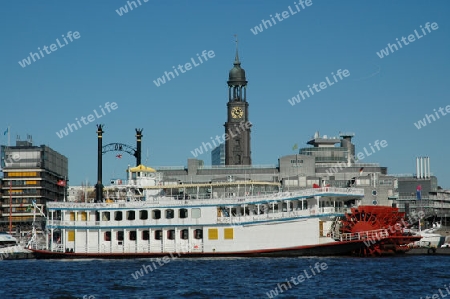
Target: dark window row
[
  {"x": 144, "y": 215},
  {"x": 157, "y": 235}
]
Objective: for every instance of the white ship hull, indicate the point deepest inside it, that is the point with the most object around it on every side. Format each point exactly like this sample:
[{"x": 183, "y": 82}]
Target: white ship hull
[
  {"x": 257, "y": 225},
  {"x": 145, "y": 217}
]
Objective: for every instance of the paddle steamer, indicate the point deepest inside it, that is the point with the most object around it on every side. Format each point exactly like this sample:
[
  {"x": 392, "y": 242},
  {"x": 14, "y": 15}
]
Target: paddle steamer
[{"x": 147, "y": 217}]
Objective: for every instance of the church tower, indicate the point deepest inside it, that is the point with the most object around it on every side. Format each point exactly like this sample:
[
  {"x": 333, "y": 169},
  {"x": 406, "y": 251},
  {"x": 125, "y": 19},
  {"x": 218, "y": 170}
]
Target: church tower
[{"x": 237, "y": 127}]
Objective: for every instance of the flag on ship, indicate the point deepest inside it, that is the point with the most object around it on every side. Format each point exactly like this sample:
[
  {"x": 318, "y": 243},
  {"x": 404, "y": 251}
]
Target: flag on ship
[
  {"x": 419, "y": 192},
  {"x": 6, "y": 131},
  {"x": 361, "y": 170},
  {"x": 295, "y": 147},
  {"x": 61, "y": 183},
  {"x": 119, "y": 156}
]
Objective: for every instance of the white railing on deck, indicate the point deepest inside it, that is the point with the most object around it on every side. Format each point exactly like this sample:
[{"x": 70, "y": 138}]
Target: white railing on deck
[
  {"x": 279, "y": 215},
  {"x": 222, "y": 219},
  {"x": 134, "y": 248},
  {"x": 169, "y": 201},
  {"x": 37, "y": 246},
  {"x": 378, "y": 235}
]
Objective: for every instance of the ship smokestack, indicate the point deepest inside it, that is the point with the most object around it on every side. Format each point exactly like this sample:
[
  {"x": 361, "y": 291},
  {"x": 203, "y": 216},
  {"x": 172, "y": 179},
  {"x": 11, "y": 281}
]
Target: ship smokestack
[
  {"x": 138, "y": 146},
  {"x": 99, "y": 185}
]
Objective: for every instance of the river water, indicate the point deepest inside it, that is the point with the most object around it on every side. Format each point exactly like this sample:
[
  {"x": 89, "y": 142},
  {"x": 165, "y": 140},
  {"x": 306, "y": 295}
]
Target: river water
[{"x": 343, "y": 277}]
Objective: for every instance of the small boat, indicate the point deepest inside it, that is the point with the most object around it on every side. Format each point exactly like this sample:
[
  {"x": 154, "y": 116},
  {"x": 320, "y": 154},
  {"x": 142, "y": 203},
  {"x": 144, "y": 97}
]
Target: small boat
[
  {"x": 429, "y": 239},
  {"x": 10, "y": 245}
]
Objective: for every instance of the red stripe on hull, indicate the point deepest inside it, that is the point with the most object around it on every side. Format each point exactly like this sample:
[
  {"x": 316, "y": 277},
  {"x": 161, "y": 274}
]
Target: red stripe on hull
[{"x": 329, "y": 249}]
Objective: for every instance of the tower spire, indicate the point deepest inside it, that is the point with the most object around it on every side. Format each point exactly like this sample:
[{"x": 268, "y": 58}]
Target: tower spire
[
  {"x": 237, "y": 148},
  {"x": 236, "y": 59}
]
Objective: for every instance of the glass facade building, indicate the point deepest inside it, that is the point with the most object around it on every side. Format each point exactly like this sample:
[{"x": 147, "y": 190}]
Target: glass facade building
[
  {"x": 218, "y": 155},
  {"x": 30, "y": 173}
]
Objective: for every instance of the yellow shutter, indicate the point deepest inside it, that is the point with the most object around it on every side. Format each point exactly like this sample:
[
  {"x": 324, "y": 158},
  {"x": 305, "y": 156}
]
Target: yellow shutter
[
  {"x": 228, "y": 233},
  {"x": 213, "y": 234},
  {"x": 72, "y": 216},
  {"x": 71, "y": 235}
]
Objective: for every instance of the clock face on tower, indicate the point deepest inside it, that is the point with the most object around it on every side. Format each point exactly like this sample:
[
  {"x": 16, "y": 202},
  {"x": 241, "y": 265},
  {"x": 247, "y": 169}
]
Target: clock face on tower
[{"x": 237, "y": 112}]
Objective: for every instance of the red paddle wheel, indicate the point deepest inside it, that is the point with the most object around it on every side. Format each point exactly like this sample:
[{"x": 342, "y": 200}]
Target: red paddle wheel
[{"x": 380, "y": 227}]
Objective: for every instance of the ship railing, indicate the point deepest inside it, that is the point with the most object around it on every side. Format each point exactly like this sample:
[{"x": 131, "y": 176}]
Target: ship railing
[
  {"x": 322, "y": 190},
  {"x": 170, "y": 201},
  {"x": 332, "y": 210},
  {"x": 220, "y": 219},
  {"x": 154, "y": 247},
  {"x": 377, "y": 234},
  {"x": 82, "y": 224},
  {"x": 37, "y": 246},
  {"x": 58, "y": 248},
  {"x": 237, "y": 220}
]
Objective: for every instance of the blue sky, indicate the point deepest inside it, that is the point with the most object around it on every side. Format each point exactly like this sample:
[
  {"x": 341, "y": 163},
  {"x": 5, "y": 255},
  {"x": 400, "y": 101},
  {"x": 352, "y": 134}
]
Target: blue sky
[{"x": 117, "y": 58}]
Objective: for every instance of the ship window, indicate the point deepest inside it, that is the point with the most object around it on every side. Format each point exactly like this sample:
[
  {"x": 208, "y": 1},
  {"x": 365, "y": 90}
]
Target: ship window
[
  {"x": 198, "y": 233},
  {"x": 143, "y": 214},
  {"x": 97, "y": 216},
  {"x": 171, "y": 234},
  {"x": 196, "y": 213},
  {"x": 156, "y": 214},
  {"x": 107, "y": 236},
  {"x": 119, "y": 236},
  {"x": 105, "y": 216},
  {"x": 183, "y": 213},
  {"x": 145, "y": 235},
  {"x": 169, "y": 213},
  {"x": 118, "y": 215},
  {"x": 184, "y": 234},
  {"x": 131, "y": 215},
  {"x": 158, "y": 234},
  {"x": 132, "y": 235}
]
